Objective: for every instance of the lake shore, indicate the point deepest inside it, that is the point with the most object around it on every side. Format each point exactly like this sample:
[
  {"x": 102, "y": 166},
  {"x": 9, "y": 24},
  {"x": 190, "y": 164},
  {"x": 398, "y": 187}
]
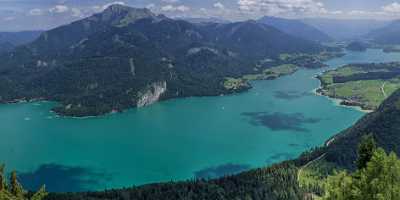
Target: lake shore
[{"x": 338, "y": 101}]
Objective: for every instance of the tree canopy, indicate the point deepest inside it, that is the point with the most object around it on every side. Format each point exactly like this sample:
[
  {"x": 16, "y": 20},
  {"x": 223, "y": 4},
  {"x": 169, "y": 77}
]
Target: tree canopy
[
  {"x": 378, "y": 180},
  {"x": 14, "y": 191}
]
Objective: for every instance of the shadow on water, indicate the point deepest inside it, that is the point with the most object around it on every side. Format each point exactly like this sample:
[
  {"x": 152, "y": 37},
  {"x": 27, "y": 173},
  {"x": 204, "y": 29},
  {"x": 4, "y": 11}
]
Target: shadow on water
[
  {"x": 59, "y": 178},
  {"x": 220, "y": 171},
  {"x": 280, "y": 121},
  {"x": 290, "y": 95}
]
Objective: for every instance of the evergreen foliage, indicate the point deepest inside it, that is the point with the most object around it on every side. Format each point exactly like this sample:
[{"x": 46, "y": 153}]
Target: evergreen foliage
[
  {"x": 379, "y": 180},
  {"x": 14, "y": 191},
  {"x": 365, "y": 151}
]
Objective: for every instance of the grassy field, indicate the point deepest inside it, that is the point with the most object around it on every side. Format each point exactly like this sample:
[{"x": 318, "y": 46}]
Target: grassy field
[
  {"x": 267, "y": 74},
  {"x": 272, "y": 73},
  {"x": 327, "y": 77},
  {"x": 367, "y": 93}
]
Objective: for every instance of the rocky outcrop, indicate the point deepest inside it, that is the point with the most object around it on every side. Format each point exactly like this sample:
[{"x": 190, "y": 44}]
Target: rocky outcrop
[{"x": 151, "y": 94}]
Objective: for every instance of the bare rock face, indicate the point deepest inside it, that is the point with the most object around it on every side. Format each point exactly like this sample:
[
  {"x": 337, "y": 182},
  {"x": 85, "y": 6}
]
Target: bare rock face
[
  {"x": 119, "y": 15},
  {"x": 151, "y": 94}
]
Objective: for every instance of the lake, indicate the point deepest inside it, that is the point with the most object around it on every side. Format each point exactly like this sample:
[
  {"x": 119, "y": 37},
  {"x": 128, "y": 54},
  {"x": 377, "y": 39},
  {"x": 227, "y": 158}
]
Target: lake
[{"x": 177, "y": 139}]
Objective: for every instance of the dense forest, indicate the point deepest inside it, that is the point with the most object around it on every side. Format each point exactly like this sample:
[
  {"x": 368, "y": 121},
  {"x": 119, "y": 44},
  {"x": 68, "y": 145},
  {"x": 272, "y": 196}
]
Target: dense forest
[
  {"x": 377, "y": 176},
  {"x": 126, "y": 57},
  {"x": 13, "y": 190},
  {"x": 10, "y": 40}
]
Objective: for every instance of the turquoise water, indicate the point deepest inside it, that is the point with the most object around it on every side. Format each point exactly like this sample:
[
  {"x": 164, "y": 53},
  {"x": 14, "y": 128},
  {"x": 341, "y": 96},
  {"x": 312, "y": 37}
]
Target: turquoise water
[{"x": 177, "y": 139}]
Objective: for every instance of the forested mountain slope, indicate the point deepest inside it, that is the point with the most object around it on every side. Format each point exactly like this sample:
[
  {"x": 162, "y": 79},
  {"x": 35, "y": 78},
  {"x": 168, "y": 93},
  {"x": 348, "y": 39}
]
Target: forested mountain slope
[
  {"x": 383, "y": 125},
  {"x": 296, "y": 28},
  {"x": 126, "y": 57},
  {"x": 9, "y": 40},
  {"x": 387, "y": 35}
]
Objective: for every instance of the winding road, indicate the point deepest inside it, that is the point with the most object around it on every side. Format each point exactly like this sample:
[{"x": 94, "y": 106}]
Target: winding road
[{"x": 383, "y": 90}]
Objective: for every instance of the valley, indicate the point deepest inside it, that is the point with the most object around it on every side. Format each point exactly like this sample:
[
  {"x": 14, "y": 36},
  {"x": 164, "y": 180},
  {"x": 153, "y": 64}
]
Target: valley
[{"x": 170, "y": 101}]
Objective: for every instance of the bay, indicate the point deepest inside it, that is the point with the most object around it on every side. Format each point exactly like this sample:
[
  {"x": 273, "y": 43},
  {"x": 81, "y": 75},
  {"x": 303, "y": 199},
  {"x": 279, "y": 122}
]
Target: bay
[{"x": 177, "y": 139}]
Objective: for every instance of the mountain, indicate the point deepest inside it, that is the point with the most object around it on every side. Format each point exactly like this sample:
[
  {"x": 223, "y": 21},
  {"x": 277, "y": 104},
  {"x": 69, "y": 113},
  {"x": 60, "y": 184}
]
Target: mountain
[
  {"x": 387, "y": 35},
  {"x": 257, "y": 41},
  {"x": 127, "y": 57},
  {"x": 345, "y": 29},
  {"x": 205, "y": 20},
  {"x": 296, "y": 28},
  {"x": 6, "y": 47},
  {"x": 19, "y": 38},
  {"x": 9, "y": 40},
  {"x": 357, "y": 46},
  {"x": 383, "y": 125}
]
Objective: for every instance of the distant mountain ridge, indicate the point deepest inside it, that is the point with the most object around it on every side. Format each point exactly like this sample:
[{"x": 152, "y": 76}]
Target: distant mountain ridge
[
  {"x": 205, "y": 20},
  {"x": 9, "y": 40},
  {"x": 126, "y": 57},
  {"x": 387, "y": 35},
  {"x": 296, "y": 28},
  {"x": 345, "y": 29}
]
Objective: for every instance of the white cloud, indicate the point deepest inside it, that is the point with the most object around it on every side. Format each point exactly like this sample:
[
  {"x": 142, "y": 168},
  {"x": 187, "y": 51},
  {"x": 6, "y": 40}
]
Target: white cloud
[
  {"x": 336, "y": 12},
  {"x": 76, "y": 12},
  {"x": 392, "y": 8},
  {"x": 170, "y": 1},
  {"x": 219, "y": 5},
  {"x": 100, "y": 8},
  {"x": 150, "y": 6},
  {"x": 171, "y": 8},
  {"x": 283, "y": 6},
  {"x": 8, "y": 18},
  {"x": 35, "y": 12},
  {"x": 113, "y": 3},
  {"x": 357, "y": 12},
  {"x": 59, "y": 9}
]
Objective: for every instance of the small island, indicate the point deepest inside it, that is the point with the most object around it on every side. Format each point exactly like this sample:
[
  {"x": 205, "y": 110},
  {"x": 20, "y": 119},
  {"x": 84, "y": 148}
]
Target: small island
[{"x": 362, "y": 85}]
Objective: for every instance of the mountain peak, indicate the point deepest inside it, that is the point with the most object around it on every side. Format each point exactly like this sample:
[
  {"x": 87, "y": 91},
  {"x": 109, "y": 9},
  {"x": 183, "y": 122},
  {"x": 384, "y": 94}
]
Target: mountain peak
[
  {"x": 118, "y": 8},
  {"x": 121, "y": 15}
]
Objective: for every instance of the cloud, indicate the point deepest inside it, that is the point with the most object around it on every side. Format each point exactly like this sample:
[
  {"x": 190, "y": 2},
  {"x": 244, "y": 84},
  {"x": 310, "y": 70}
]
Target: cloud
[
  {"x": 171, "y": 8},
  {"x": 8, "y": 18},
  {"x": 336, "y": 12},
  {"x": 283, "y": 6},
  {"x": 35, "y": 12},
  {"x": 76, "y": 12},
  {"x": 59, "y": 9},
  {"x": 150, "y": 6},
  {"x": 219, "y": 5},
  {"x": 392, "y": 8},
  {"x": 113, "y": 3},
  {"x": 100, "y": 8},
  {"x": 170, "y": 1}
]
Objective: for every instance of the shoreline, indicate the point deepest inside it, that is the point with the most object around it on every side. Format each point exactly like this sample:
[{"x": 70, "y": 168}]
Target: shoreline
[{"x": 337, "y": 101}]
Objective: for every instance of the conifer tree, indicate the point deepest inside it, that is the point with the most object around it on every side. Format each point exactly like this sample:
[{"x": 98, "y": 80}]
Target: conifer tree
[
  {"x": 365, "y": 150},
  {"x": 14, "y": 190}
]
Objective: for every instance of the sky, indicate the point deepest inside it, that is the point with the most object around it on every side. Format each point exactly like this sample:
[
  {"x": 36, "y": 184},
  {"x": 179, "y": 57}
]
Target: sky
[{"x": 18, "y": 15}]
